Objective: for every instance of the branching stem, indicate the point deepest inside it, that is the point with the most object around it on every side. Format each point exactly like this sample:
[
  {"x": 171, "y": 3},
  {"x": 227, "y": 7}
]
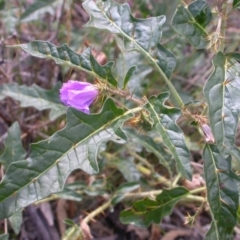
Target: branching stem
[
  {"x": 135, "y": 196},
  {"x": 97, "y": 211},
  {"x": 126, "y": 95},
  {"x": 151, "y": 59}
]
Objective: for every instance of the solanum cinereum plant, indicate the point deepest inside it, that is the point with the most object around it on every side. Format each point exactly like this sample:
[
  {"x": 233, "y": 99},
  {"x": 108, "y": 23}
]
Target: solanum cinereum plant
[{"x": 126, "y": 116}]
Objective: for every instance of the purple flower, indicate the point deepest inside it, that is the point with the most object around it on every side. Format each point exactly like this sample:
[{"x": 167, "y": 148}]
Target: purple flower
[
  {"x": 209, "y": 138},
  {"x": 79, "y": 95}
]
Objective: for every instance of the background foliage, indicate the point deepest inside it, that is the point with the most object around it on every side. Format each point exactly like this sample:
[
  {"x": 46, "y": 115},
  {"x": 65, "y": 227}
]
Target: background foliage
[{"x": 160, "y": 150}]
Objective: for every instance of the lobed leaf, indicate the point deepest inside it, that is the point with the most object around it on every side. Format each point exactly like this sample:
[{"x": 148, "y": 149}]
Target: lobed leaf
[
  {"x": 69, "y": 194},
  {"x": 222, "y": 193},
  {"x": 65, "y": 55},
  {"x": 165, "y": 118},
  {"x": 38, "y": 8},
  {"x": 236, "y": 3},
  {"x": 233, "y": 55},
  {"x": 52, "y": 160},
  {"x": 4, "y": 236},
  {"x": 9, "y": 17},
  {"x": 191, "y": 22},
  {"x": 2, "y": 4},
  {"x": 222, "y": 92},
  {"x": 95, "y": 188},
  {"x": 128, "y": 75},
  {"x": 140, "y": 34},
  {"x": 13, "y": 150},
  {"x": 152, "y": 146},
  {"x": 125, "y": 64},
  {"x": 16, "y": 221},
  {"x": 1, "y": 94},
  {"x": 123, "y": 189},
  {"x": 201, "y": 12},
  {"x": 127, "y": 167},
  {"x": 147, "y": 211},
  {"x": 36, "y": 97}
]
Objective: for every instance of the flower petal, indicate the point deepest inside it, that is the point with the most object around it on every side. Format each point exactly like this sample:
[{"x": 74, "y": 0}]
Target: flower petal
[{"x": 78, "y": 95}]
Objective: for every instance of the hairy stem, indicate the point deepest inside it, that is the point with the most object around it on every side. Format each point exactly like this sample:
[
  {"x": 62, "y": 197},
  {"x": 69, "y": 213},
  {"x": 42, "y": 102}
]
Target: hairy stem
[
  {"x": 136, "y": 196},
  {"x": 97, "y": 211},
  {"x": 152, "y": 60},
  {"x": 222, "y": 22},
  {"x": 139, "y": 158},
  {"x": 126, "y": 95}
]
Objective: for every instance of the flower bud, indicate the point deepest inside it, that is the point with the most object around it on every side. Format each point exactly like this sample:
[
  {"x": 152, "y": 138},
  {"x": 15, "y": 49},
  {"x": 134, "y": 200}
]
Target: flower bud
[
  {"x": 79, "y": 95},
  {"x": 209, "y": 138}
]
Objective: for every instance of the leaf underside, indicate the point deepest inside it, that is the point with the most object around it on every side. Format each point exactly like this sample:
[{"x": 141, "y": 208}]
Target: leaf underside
[
  {"x": 147, "y": 211},
  {"x": 4, "y": 236},
  {"x": 13, "y": 149},
  {"x": 222, "y": 92},
  {"x": 140, "y": 70},
  {"x": 36, "y": 97},
  {"x": 52, "y": 160},
  {"x": 139, "y": 34},
  {"x": 128, "y": 168},
  {"x": 222, "y": 193},
  {"x": 152, "y": 146},
  {"x": 236, "y": 3},
  {"x": 35, "y": 10},
  {"x": 165, "y": 124}
]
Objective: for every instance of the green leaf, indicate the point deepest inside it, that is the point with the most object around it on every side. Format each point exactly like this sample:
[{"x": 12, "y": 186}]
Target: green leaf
[
  {"x": 147, "y": 211},
  {"x": 1, "y": 94},
  {"x": 127, "y": 167},
  {"x": 16, "y": 221},
  {"x": 222, "y": 193},
  {"x": 140, "y": 34},
  {"x": 2, "y": 4},
  {"x": 96, "y": 188},
  {"x": 123, "y": 189},
  {"x": 191, "y": 22},
  {"x": 222, "y": 92},
  {"x": 236, "y": 3},
  {"x": 165, "y": 118},
  {"x": 132, "y": 58},
  {"x": 4, "y": 236},
  {"x": 200, "y": 12},
  {"x": 129, "y": 74},
  {"x": 233, "y": 55},
  {"x": 37, "y": 97},
  {"x": 65, "y": 55},
  {"x": 52, "y": 160},
  {"x": 8, "y": 17},
  {"x": 13, "y": 146},
  {"x": 153, "y": 146},
  {"x": 69, "y": 194},
  {"x": 39, "y": 8},
  {"x": 127, "y": 187}
]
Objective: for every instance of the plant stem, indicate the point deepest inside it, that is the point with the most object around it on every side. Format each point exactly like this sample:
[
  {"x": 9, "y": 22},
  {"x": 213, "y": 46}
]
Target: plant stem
[
  {"x": 97, "y": 211},
  {"x": 139, "y": 158},
  {"x": 172, "y": 89},
  {"x": 222, "y": 23},
  {"x": 176, "y": 180},
  {"x": 5, "y": 220},
  {"x": 198, "y": 190},
  {"x": 126, "y": 95},
  {"x": 151, "y": 59},
  {"x": 135, "y": 196}
]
